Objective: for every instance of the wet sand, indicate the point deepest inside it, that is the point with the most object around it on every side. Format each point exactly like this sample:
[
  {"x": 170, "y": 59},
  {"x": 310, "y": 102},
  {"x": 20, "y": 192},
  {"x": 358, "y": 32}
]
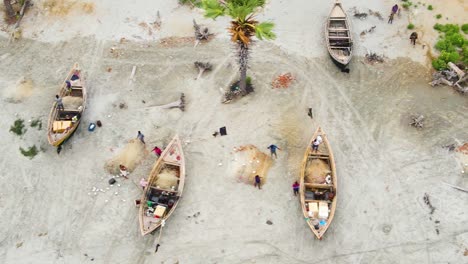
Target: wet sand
[{"x": 385, "y": 167}]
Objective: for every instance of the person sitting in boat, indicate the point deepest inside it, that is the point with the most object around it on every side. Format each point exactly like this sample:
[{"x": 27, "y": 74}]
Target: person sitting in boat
[
  {"x": 69, "y": 86},
  {"x": 316, "y": 143}
]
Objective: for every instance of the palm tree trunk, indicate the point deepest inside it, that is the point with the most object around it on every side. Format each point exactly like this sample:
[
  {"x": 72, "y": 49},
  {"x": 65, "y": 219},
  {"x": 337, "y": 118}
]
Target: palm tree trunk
[
  {"x": 9, "y": 8},
  {"x": 243, "y": 59}
]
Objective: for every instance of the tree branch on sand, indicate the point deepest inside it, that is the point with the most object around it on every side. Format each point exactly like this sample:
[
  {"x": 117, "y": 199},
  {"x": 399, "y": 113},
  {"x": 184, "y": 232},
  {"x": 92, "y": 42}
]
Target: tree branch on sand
[
  {"x": 200, "y": 34},
  {"x": 202, "y": 67},
  {"x": 454, "y": 77},
  {"x": 417, "y": 121},
  {"x": 9, "y": 8}
]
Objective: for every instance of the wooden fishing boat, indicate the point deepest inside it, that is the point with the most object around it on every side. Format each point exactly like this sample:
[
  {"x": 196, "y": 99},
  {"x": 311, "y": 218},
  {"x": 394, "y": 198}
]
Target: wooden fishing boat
[
  {"x": 164, "y": 189},
  {"x": 63, "y": 123},
  {"x": 318, "y": 185},
  {"x": 338, "y": 36}
]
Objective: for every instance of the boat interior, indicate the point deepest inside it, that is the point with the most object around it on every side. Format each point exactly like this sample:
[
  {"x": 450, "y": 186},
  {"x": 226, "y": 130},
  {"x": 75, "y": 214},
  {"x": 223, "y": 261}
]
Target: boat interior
[
  {"x": 339, "y": 37},
  {"x": 162, "y": 194},
  {"x": 319, "y": 191}
]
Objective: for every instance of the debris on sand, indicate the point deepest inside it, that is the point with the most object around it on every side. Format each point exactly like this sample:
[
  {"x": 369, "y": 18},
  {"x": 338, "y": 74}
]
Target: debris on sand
[
  {"x": 463, "y": 149},
  {"x": 282, "y": 80},
  {"x": 268, "y": 222},
  {"x": 175, "y": 41},
  {"x": 454, "y": 77},
  {"x": 202, "y": 67},
  {"x": 123, "y": 106},
  {"x": 450, "y": 147},
  {"x": 376, "y": 14},
  {"x": 428, "y": 203},
  {"x": 370, "y": 30},
  {"x": 372, "y": 58},
  {"x": 20, "y": 91},
  {"x": 358, "y": 14},
  {"x": 157, "y": 23},
  {"x": 63, "y": 7},
  {"x": 417, "y": 121}
]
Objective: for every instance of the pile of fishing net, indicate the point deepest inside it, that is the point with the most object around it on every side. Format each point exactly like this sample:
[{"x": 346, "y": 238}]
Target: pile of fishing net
[
  {"x": 317, "y": 171},
  {"x": 72, "y": 102},
  {"x": 166, "y": 179},
  {"x": 249, "y": 161},
  {"x": 130, "y": 156}
]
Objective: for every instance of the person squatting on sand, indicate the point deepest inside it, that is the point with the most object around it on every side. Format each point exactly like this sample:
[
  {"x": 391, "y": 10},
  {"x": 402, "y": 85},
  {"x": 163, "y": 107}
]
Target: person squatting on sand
[
  {"x": 273, "y": 149},
  {"x": 257, "y": 182},
  {"x": 413, "y": 37},
  {"x": 157, "y": 151}
]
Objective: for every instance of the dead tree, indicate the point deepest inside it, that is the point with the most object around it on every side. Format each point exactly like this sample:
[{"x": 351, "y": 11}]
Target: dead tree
[
  {"x": 200, "y": 34},
  {"x": 454, "y": 77},
  {"x": 202, "y": 67}
]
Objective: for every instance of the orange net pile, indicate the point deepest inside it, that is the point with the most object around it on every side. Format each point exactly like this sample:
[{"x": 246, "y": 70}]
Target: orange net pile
[
  {"x": 248, "y": 162},
  {"x": 282, "y": 81}
]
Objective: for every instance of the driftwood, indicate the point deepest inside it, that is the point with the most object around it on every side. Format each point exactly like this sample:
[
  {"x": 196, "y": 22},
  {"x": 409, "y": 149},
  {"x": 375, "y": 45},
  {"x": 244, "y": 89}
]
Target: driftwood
[
  {"x": 21, "y": 14},
  {"x": 132, "y": 75},
  {"x": 200, "y": 34},
  {"x": 360, "y": 15},
  {"x": 454, "y": 77},
  {"x": 417, "y": 121},
  {"x": 202, "y": 67},
  {"x": 177, "y": 104},
  {"x": 456, "y": 187},
  {"x": 370, "y": 30},
  {"x": 157, "y": 23}
]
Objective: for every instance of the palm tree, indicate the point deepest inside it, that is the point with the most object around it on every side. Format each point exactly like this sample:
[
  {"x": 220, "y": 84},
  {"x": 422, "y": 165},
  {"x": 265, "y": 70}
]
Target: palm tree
[
  {"x": 242, "y": 29},
  {"x": 9, "y": 8}
]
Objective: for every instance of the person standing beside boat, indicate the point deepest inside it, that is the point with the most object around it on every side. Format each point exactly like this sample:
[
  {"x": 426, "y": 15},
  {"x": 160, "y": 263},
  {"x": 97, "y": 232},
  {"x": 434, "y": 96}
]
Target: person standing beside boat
[
  {"x": 157, "y": 151},
  {"x": 295, "y": 187},
  {"x": 59, "y": 102}
]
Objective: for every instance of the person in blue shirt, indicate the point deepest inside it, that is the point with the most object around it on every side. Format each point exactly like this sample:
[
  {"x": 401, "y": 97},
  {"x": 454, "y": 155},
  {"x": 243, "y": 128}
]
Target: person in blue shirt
[{"x": 273, "y": 149}]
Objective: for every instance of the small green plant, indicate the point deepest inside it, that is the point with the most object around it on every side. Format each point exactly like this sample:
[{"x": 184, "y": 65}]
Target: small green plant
[
  {"x": 410, "y": 26},
  {"x": 430, "y": 7},
  {"x": 37, "y": 123},
  {"x": 196, "y": 3},
  {"x": 248, "y": 80},
  {"x": 18, "y": 127},
  {"x": 439, "y": 16},
  {"x": 31, "y": 152},
  {"x": 464, "y": 28},
  {"x": 407, "y": 4}
]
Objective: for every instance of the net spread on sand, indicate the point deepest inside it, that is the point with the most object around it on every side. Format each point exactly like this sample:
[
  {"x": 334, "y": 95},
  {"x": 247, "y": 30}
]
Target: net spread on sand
[
  {"x": 130, "y": 156},
  {"x": 316, "y": 171},
  {"x": 248, "y": 162},
  {"x": 166, "y": 179},
  {"x": 71, "y": 102}
]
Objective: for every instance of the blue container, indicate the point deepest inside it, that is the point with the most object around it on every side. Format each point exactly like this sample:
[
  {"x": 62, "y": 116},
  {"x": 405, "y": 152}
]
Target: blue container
[{"x": 91, "y": 127}]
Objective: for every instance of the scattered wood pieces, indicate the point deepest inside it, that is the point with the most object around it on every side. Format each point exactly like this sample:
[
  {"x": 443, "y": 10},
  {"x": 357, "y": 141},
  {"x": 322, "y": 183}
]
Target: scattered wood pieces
[
  {"x": 372, "y": 58},
  {"x": 132, "y": 76},
  {"x": 157, "y": 23},
  {"x": 358, "y": 14},
  {"x": 454, "y": 77},
  {"x": 417, "y": 121},
  {"x": 376, "y": 14},
  {"x": 370, "y": 30},
  {"x": 202, "y": 67},
  {"x": 282, "y": 81}
]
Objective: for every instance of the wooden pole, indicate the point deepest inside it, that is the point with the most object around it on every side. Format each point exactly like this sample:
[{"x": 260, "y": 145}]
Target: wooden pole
[{"x": 159, "y": 238}]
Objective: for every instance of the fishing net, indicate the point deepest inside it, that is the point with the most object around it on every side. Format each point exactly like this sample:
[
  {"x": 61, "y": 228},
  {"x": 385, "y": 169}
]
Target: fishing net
[
  {"x": 316, "y": 171},
  {"x": 248, "y": 162},
  {"x": 166, "y": 179},
  {"x": 130, "y": 156},
  {"x": 71, "y": 102}
]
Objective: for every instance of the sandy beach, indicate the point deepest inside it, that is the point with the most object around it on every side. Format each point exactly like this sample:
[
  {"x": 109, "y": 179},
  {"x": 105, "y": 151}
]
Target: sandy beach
[{"x": 53, "y": 208}]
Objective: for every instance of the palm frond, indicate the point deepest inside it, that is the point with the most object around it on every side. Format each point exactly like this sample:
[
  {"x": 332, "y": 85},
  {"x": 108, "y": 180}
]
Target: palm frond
[
  {"x": 213, "y": 8},
  {"x": 264, "y": 30}
]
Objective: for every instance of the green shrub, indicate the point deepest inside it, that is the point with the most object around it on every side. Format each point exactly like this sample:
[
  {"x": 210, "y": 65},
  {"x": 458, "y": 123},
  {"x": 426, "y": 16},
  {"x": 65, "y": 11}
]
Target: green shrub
[
  {"x": 439, "y": 16},
  {"x": 31, "y": 152},
  {"x": 37, "y": 123},
  {"x": 456, "y": 39},
  {"x": 410, "y": 26},
  {"x": 406, "y": 5},
  {"x": 464, "y": 28},
  {"x": 18, "y": 127},
  {"x": 444, "y": 45},
  {"x": 453, "y": 46},
  {"x": 429, "y": 7},
  {"x": 439, "y": 64}
]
